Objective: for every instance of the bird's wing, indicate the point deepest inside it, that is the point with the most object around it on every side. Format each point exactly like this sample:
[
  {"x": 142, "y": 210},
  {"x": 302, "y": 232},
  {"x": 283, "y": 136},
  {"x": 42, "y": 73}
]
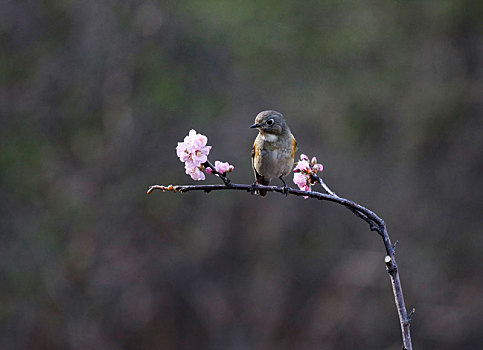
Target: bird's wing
[
  {"x": 254, "y": 154},
  {"x": 294, "y": 146}
]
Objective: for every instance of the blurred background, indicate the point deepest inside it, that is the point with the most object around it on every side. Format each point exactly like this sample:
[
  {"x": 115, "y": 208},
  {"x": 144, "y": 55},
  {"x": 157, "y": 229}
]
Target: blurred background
[{"x": 95, "y": 95}]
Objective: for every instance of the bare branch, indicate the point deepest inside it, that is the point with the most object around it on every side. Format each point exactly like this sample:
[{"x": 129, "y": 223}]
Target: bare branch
[{"x": 374, "y": 221}]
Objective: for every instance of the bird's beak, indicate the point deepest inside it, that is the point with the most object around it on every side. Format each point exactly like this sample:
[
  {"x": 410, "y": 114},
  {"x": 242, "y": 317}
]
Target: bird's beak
[{"x": 254, "y": 125}]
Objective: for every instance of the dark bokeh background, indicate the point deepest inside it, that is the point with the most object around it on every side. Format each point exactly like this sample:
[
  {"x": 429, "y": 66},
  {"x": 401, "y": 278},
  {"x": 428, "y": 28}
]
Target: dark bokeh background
[{"x": 94, "y": 96}]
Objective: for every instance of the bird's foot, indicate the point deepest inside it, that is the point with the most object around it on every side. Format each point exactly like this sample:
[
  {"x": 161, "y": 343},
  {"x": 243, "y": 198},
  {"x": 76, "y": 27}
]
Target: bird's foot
[
  {"x": 285, "y": 187},
  {"x": 285, "y": 190},
  {"x": 253, "y": 188}
]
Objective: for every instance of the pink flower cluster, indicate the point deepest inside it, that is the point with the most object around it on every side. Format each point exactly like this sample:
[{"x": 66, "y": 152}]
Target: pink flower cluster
[
  {"x": 193, "y": 152},
  {"x": 303, "y": 171},
  {"x": 220, "y": 167}
]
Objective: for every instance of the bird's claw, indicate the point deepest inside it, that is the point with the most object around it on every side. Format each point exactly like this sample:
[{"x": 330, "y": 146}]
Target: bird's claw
[
  {"x": 285, "y": 187},
  {"x": 253, "y": 188},
  {"x": 285, "y": 190}
]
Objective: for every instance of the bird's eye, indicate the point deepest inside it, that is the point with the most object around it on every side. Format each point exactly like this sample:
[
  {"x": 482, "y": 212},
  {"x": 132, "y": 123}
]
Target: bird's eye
[{"x": 270, "y": 122}]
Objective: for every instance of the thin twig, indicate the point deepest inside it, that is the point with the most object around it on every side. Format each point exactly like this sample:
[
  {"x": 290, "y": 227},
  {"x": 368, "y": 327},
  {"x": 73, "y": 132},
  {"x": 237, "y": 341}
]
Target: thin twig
[
  {"x": 322, "y": 183},
  {"x": 223, "y": 177},
  {"x": 374, "y": 221},
  {"x": 372, "y": 225}
]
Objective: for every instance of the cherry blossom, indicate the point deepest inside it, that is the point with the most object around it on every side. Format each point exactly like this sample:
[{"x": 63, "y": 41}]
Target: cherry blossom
[
  {"x": 196, "y": 173},
  {"x": 221, "y": 167},
  {"x": 193, "y": 151},
  {"x": 193, "y": 148},
  {"x": 303, "y": 172}
]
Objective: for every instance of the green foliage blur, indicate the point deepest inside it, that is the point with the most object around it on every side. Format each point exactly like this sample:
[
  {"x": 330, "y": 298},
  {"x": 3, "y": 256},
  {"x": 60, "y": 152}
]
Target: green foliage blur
[{"x": 94, "y": 96}]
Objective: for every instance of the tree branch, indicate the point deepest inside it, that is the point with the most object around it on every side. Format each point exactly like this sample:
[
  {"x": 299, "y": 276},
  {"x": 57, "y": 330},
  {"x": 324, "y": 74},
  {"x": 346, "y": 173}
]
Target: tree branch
[{"x": 374, "y": 221}]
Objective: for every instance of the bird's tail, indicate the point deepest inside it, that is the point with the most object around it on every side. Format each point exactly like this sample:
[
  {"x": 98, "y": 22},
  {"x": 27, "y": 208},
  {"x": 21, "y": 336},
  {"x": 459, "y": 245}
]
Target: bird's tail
[{"x": 265, "y": 182}]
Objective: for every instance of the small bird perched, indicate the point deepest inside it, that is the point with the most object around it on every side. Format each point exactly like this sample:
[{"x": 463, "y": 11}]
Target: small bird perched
[{"x": 274, "y": 149}]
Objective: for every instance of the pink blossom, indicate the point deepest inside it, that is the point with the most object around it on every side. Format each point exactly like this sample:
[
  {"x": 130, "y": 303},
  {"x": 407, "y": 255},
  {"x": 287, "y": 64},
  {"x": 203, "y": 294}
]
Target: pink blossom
[
  {"x": 193, "y": 148},
  {"x": 182, "y": 151},
  {"x": 197, "y": 140},
  {"x": 193, "y": 151},
  {"x": 221, "y": 168},
  {"x": 303, "y": 172},
  {"x": 302, "y": 165},
  {"x": 197, "y": 146},
  {"x": 300, "y": 179},
  {"x": 194, "y": 172},
  {"x": 199, "y": 156},
  {"x": 304, "y": 157},
  {"x": 305, "y": 167},
  {"x": 318, "y": 167}
]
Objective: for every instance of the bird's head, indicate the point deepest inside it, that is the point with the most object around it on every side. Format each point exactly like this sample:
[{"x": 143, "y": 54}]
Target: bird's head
[{"x": 270, "y": 122}]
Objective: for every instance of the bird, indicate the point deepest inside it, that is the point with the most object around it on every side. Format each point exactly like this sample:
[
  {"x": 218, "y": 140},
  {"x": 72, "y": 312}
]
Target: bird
[{"x": 273, "y": 150}]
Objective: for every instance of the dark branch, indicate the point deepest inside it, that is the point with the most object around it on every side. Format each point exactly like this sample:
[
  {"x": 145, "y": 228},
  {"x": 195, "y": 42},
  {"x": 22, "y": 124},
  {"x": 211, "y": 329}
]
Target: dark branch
[
  {"x": 374, "y": 221},
  {"x": 369, "y": 215}
]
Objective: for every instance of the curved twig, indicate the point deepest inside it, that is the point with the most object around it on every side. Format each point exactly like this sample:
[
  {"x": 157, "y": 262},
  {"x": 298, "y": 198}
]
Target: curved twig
[{"x": 374, "y": 221}]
